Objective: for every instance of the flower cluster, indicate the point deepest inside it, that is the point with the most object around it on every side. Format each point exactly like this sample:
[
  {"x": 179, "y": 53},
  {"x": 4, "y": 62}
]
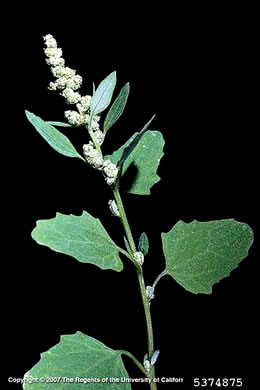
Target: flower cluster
[
  {"x": 69, "y": 82},
  {"x": 139, "y": 257},
  {"x": 95, "y": 159},
  {"x": 113, "y": 208}
]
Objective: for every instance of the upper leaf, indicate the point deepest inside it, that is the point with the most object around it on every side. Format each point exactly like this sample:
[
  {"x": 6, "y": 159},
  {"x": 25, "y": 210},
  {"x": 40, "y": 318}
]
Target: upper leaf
[
  {"x": 55, "y": 139},
  {"x": 117, "y": 108},
  {"x": 77, "y": 357},
  {"x": 145, "y": 159},
  {"x": 82, "y": 237},
  {"x": 103, "y": 94},
  {"x": 199, "y": 254}
]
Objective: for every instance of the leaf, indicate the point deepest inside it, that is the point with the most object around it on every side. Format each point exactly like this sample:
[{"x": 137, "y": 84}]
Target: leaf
[
  {"x": 145, "y": 158},
  {"x": 143, "y": 244},
  {"x": 103, "y": 95},
  {"x": 61, "y": 124},
  {"x": 199, "y": 254},
  {"x": 78, "y": 358},
  {"x": 82, "y": 237},
  {"x": 117, "y": 108},
  {"x": 55, "y": 139},
  {"x": 133, "y": 143}
]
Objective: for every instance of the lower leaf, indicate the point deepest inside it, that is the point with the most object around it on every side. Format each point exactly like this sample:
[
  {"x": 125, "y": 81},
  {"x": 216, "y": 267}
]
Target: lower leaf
[{"x": 78, "y": 360}]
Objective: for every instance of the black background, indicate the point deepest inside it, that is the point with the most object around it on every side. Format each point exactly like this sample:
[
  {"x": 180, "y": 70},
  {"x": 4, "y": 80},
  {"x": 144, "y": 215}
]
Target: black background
[{"x": 196, "y": 71}]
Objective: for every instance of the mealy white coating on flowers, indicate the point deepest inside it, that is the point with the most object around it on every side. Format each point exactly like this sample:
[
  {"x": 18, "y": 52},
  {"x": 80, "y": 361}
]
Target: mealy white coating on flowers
[
  {"x": 75, "y": 119},
  {"x": 53, "y": 52},
  {"x": 94, "y": 125},
  {"x": 61, "y": 82},
  {"x": 150, "y": 292},
  {"x": 60, "y": 71},
  {"x": 50, "y": 41},
  {"x": 139, "y": 257},
  {"x": 113, "y": 208},
  {"x": 66, "y": 77},
  {"x": 55, "y": 61},
  {"x": 74, "y": 82},
  {"x": 93, "y": 157},
  {"x": 84, "y": 103},
  {"x": 71, "y": 96},
  {"x": 147, "y": 365},
  {"x": 110, "y": 171},
  {"x": 100, "y": 136},
  {"x": 68, "y": 81},
  {"x": 52, "y": 86}
]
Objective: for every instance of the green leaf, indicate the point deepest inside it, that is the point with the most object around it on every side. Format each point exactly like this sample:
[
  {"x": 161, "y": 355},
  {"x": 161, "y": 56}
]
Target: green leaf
[
  {"x": 103, "y": 95},
  {"x": 59, "y": 124},
  {"x": 76, "y": 358},
  {"x": 143, "y": 244},
  {"x": 82, "y": 237},
  {"x": 55, "y": 139},
  {"x": 117, "y": 108},
  {"x": 145, "y": 158},
  {"x": 199, "y": 254}
]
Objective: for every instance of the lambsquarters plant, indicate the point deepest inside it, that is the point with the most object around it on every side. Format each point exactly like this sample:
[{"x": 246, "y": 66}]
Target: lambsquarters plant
[{"x": 197, "y": 254}]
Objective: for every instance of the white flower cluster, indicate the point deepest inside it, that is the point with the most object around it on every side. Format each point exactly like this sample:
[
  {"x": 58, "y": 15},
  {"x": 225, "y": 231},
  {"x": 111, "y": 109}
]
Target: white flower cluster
[
  {"x": 94, "y": 158},
  {"x": 150, "y": 293},
  {"x": 69, "y": 82},
  {"x": 139, "y": 257},
  {"x": 110, "y": 170},
  {"x": 66, "y": 77},
  {"x": 75, "y": 118},
  {"x": 113, "y": 208}
]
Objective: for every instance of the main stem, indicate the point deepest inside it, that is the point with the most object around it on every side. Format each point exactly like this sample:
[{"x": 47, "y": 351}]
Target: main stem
[{"x": 145, "y": 300}]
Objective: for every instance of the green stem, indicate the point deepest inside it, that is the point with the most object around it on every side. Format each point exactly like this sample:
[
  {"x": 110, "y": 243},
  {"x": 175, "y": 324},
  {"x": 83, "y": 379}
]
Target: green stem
[
  {"x": 147, "y": 315},
  {"x": 124, "y": 220},
  {"x": 145, "y": 300},
  {"x": 139, "y": 365}
]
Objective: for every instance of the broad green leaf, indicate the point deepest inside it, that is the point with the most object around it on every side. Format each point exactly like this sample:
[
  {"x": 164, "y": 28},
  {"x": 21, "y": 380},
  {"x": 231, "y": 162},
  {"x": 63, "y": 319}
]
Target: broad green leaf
[
  {"x": 143, "y": 245},
  {"x": 59, "y": 124},
  {"x": 55, "y": 139},
  {"x": 199, "y": 254},
  {"x": 82, "y": 237},
  {"x": 77, "y": 358},
  {"x": 128, "y": 149},
  {"x": 103, "y": 94},
  {"x": 117, "y": 108},
  {"x": 145, "y": 159}
]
